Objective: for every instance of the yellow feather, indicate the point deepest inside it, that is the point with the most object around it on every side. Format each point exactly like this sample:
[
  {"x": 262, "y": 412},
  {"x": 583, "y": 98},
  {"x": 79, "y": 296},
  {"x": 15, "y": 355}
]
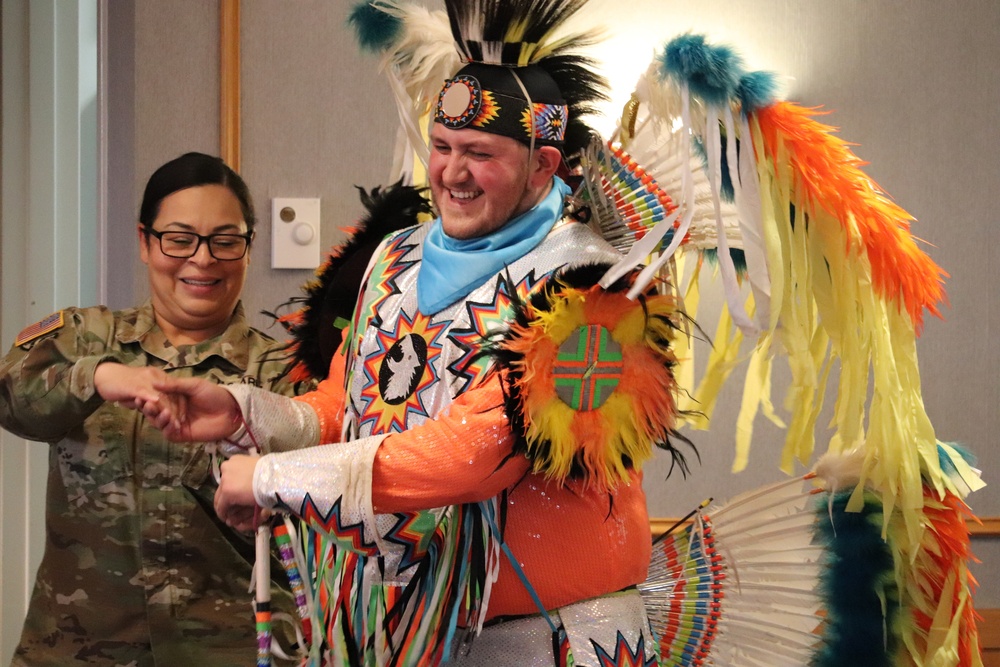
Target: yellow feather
[
  {"x": 552, "y": 422},
  {"x": 683, "y": 349}
]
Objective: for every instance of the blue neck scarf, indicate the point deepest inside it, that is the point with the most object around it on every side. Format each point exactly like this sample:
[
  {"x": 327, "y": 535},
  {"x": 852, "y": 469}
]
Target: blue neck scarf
[{"x": 452, "y": 268}]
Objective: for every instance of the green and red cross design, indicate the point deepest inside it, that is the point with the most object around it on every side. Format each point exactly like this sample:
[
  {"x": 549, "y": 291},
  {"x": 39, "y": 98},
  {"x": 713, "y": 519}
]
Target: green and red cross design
[{"x": 588, "y": 368}]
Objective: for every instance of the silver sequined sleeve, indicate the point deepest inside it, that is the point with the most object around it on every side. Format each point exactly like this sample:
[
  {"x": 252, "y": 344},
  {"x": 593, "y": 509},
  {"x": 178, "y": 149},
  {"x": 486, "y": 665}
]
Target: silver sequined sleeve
[
  {"x": 271, "y": 422},
  {"x": 330, "y": 488},
  {"x": 327, "y": 474}
]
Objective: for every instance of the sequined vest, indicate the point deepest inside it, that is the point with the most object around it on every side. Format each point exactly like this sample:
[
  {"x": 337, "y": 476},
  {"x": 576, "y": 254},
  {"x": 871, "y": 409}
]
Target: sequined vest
[{"x": 408, "y": 365}]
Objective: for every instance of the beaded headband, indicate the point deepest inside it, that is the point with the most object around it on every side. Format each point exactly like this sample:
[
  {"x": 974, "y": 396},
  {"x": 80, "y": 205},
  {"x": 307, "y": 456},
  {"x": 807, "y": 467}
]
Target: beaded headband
[{"x": 492, "y": 99}]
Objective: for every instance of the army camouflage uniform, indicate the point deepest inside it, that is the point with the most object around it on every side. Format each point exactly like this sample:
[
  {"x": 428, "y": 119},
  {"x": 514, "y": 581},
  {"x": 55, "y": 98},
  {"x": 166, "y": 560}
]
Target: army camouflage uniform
[{"x": 135, "y": 571}]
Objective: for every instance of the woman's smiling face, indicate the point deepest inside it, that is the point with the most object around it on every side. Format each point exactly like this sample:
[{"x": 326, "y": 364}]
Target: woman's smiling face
[{"x": 194, "y": 298}]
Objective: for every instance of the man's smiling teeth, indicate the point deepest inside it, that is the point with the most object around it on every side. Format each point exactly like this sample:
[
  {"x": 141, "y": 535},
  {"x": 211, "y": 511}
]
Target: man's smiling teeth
[
  {"x": 201, "y": 283},
  {"x": 455, "y": 194}
]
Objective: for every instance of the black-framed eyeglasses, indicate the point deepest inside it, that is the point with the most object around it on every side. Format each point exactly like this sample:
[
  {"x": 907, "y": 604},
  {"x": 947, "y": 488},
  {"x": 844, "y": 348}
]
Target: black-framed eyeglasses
[{"x": 182, "y": 245}]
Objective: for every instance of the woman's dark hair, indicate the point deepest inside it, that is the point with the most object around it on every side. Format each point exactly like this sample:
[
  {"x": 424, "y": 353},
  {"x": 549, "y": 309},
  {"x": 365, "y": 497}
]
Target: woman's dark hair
[{"x": 188, "y": 171}]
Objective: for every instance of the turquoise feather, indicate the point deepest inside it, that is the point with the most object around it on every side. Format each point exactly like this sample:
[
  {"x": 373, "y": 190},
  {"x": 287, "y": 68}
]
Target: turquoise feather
[
  {"x": 857, "y": 579},
  {"x": 375, "y": 29},
  {"x": 756, "y": 90},
  {"x": 711, "y": 72}
]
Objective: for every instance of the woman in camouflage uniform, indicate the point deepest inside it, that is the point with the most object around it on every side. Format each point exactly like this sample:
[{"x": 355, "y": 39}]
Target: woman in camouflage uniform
[{"x": 135, "y": 571}]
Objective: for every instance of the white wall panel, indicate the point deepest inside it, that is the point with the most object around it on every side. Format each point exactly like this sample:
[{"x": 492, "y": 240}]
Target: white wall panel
[{"x": 49, "y": 232}]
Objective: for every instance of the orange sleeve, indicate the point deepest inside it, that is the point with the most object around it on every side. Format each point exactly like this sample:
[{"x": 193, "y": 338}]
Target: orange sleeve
[
  {"x": 463, "y": 455},
  {"x": 328, "y": 400}
]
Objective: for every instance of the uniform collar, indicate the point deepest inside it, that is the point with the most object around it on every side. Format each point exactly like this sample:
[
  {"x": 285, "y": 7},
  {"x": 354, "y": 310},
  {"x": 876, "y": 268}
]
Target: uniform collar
[{"x": 232, "y": 345}]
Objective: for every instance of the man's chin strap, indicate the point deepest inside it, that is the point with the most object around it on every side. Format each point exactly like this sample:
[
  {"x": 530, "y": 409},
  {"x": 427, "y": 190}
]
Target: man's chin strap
[{"x": 531, "y": 115}]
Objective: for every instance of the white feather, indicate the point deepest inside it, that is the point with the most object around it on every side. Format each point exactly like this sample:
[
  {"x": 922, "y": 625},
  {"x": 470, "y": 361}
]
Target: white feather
[
  {"x": 417, "y": 65},
  {"x": 839, "y": 470},
  {"x": 769, "y": 608}
]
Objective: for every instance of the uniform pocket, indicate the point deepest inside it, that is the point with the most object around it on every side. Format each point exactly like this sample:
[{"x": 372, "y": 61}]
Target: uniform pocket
[{"x": 95, "y": 463}]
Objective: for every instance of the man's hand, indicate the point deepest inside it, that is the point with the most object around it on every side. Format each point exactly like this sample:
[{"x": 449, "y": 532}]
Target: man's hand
[
  {"x": 194, "y": 410},
  {"x": 234, "y": 501}
]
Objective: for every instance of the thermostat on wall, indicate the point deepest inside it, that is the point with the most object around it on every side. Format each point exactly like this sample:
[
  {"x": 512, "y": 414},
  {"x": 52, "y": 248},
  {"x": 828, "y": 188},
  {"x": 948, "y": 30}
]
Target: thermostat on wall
[{"x": 295, "y": 233}]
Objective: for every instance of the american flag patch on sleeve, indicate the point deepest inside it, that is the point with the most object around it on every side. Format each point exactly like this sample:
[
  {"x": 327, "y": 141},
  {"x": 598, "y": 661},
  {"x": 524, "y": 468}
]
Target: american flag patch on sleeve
[{"x": 40, "y": 328}]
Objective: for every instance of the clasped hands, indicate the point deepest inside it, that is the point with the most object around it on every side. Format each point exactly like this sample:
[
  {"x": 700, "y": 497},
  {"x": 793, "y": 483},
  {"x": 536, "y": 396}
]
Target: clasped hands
[{"x": 188, "y": 410}]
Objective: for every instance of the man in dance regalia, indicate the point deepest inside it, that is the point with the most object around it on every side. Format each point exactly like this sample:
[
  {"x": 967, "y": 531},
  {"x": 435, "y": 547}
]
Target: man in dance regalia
[{"x": 438, "y": 520}]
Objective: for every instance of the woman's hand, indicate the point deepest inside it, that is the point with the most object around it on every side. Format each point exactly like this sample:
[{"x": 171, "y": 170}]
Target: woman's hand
[
  {"x": 193, "y": 410},
  {"x": 234, "y": 500},
  {"x": 130, "y": 387}
]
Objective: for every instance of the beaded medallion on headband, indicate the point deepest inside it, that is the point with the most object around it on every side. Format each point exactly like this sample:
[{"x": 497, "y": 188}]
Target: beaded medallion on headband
[
  {"x": 477, "y": 98},
  {"x": 519, "y": 81}
]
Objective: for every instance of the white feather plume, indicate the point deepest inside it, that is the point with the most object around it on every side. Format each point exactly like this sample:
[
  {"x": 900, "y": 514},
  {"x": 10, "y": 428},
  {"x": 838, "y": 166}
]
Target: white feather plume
[{"x": 417, "y": 64}]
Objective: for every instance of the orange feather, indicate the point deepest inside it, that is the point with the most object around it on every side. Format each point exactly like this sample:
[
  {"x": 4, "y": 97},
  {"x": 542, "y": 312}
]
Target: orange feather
[{"x": 829, "y": 175}]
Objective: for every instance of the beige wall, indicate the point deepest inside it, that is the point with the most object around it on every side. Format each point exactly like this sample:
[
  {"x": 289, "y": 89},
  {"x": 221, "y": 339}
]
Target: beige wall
[
  {"x": 915, "y": 89},
  {"x": 305, "y": 92},
  {"x": 163, "y": 82}
]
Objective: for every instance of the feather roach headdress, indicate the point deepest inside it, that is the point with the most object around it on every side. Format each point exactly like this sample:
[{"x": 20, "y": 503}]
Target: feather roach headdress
[{"x": 521, "y": 78}]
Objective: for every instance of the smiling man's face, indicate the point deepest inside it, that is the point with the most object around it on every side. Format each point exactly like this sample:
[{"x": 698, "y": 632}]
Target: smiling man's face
[{"x": 480, "y": 180}]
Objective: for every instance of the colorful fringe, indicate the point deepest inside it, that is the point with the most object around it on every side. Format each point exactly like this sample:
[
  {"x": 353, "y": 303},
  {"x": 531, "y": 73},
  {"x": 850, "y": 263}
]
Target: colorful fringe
[
  {"x": 371, "y": 623},
  {"x": 827, "y": 310},
  {"x": 939, "y": 587},
  {"x": 836, "y": 278},
  {"x": 286, "y": 552}
]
